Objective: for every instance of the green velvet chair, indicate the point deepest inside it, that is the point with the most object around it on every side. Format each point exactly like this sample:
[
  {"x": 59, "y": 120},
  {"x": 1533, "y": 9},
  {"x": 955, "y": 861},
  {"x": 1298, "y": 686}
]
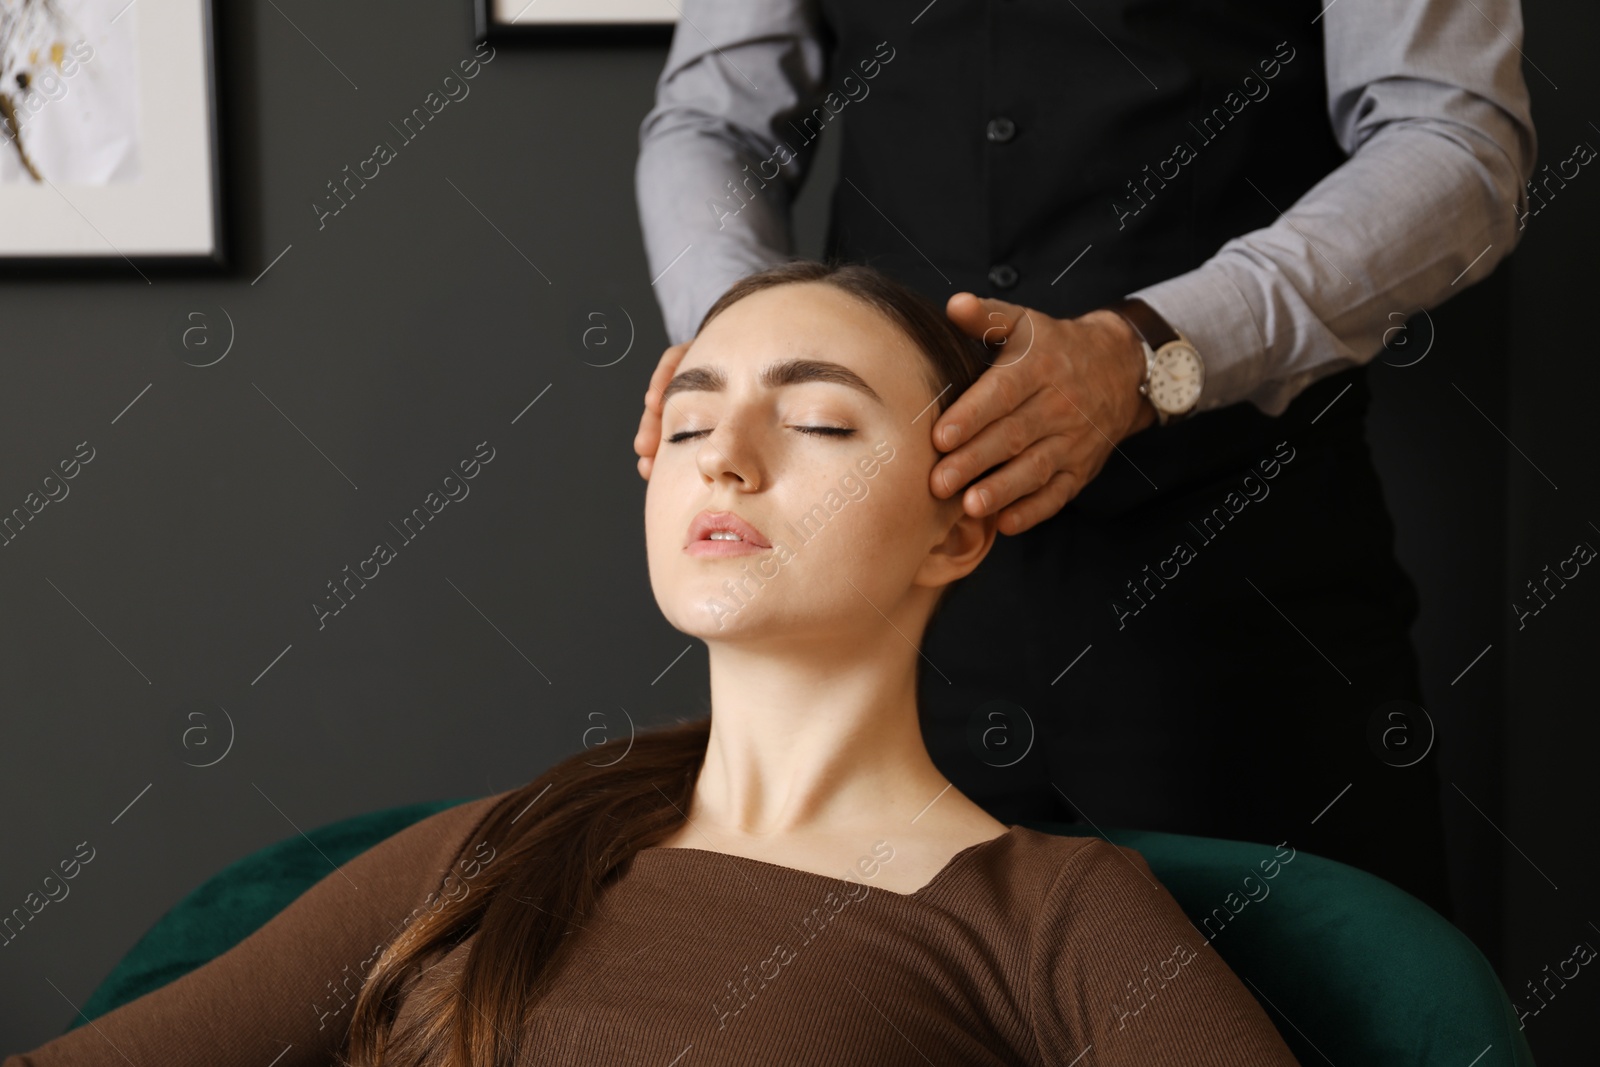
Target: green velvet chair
[{"x": 1352, "y": 970}]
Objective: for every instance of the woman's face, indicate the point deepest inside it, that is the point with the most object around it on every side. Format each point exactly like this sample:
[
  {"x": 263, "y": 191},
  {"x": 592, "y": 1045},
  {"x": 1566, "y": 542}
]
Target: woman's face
[{"x": 805, "y": 413}]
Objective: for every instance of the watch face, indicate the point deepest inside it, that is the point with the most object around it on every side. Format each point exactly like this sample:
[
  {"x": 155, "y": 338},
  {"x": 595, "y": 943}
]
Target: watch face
[{"x": 1176, "y": 378}]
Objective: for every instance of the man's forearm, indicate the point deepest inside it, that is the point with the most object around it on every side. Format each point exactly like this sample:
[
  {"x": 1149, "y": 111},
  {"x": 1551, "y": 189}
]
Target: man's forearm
[
  {"x": 1437, "y": 120},
  {"x": 1316, "y": 292},
  {"x": 715, "y": 177},
  {"x": 697, "y": 242}
]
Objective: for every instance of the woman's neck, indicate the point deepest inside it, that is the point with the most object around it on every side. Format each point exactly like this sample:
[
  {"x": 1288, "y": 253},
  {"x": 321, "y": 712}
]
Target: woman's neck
[{"x": 816, "y": 749}]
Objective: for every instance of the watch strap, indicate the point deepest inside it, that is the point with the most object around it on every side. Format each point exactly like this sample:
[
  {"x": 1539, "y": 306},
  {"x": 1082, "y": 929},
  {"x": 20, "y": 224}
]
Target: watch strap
[{"x": 1155, "y": 330}]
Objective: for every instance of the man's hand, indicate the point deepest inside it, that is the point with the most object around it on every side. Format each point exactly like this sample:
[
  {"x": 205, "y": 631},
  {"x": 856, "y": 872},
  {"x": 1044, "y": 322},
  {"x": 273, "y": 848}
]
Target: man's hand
[
  {"x": 1058, "y": 396},
  {"x": 648, "y": 439}
]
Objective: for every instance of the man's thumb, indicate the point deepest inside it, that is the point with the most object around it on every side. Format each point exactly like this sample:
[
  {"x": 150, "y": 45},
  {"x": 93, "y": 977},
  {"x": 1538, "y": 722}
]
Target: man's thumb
[
  {"x": 989, "y": 320},
  {"x": 966, "y": 310}
]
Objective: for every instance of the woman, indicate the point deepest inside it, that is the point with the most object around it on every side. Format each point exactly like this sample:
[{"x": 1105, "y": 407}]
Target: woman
[{"x": 707, "y": 896}]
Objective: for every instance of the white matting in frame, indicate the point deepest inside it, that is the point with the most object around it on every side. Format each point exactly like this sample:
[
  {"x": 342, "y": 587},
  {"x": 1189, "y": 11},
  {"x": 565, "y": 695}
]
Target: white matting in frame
[
  {"x": 107, "y": 130},
  {"x": 582, "y": 12}
]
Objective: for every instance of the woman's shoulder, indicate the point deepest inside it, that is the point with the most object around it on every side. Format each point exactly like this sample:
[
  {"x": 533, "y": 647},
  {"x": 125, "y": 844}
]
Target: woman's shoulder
[
  {"x": 1044, "y": 881},
  {"x": 1026, "y": 879},
  {"x": 436, "y": 843},
  {"x": 464, "y": 822},
  {"x": 1053, "y": 858},
  {"x": 1106, "y": 939},
  {"x": 457, "y": 821},
  {"x": 469, "y": 814}
]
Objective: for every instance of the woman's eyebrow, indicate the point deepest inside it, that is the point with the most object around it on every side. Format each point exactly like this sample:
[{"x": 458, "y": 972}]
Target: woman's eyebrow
[{"x": 714, "y": 379}]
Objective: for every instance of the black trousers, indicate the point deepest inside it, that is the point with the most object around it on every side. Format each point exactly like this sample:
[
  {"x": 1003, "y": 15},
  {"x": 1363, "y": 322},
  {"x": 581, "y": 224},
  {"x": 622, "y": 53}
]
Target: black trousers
[{"x": 1258, "y": 684}]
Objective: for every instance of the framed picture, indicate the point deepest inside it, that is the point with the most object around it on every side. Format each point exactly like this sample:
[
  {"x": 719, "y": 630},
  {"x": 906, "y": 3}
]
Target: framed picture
[
  {"x": 651, "y": 20},
  {"x": 108, "y": 134}
]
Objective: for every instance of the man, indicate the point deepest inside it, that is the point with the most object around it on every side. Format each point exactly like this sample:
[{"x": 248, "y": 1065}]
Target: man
[{"x": 1195, "y": 621}]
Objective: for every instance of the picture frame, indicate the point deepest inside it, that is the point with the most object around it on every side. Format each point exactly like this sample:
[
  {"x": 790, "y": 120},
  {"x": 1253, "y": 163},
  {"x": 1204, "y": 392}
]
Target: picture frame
[
  {"x": 109, "y": 136},
  {"x": 607, "y": 21}
]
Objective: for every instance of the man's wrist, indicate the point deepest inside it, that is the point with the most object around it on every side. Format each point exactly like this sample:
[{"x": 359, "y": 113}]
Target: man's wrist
[{"x": 1126, "y": 343}]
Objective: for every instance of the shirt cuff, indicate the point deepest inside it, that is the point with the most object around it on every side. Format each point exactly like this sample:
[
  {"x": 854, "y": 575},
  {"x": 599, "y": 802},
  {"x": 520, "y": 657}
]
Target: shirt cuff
[{"x": 1207, "y": 307}]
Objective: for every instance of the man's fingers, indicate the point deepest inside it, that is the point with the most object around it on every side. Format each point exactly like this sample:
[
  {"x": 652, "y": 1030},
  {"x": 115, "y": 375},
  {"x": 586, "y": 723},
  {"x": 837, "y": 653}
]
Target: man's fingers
[
  {"x": 1006, "y": 433},
  {"x": 648, "y": 437},
  {"x": 666, "y": 367},
  {"x": 1025, "y": 443},
  {"x": 1003, "y": 386},
  {"x": 1025, "y": 473},
  {"x": 1041, "y": 504},
  {"x": 998, "y": 392}
]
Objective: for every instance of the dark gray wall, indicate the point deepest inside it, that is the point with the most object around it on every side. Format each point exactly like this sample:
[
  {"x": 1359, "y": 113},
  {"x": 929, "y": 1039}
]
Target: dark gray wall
[
  {"x": 425, "y": 318},
  {"x": 1552, "y": 732}
]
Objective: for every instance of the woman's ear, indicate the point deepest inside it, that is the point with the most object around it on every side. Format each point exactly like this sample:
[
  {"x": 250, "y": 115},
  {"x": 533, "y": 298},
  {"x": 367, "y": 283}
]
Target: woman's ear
[{"x": 965, "y": 543}]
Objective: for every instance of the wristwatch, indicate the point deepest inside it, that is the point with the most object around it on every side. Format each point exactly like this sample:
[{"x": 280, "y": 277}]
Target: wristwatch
[{"x": 1174, "y": 373}]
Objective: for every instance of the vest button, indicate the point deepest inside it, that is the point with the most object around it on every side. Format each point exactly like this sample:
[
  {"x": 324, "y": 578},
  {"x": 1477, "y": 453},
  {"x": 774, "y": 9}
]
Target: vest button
[
  {"x": 1001, "y": 130},
  {"x": 1003, "y": 276}
]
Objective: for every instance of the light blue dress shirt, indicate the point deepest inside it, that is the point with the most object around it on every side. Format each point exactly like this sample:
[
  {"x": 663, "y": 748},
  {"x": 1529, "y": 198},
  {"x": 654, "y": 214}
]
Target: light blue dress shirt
[{"x": 1426, "y": 96}]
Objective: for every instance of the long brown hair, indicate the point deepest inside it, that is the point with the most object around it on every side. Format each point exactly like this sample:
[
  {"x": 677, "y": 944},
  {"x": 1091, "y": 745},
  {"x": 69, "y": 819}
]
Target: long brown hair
[{"x": 561, "y": 839}]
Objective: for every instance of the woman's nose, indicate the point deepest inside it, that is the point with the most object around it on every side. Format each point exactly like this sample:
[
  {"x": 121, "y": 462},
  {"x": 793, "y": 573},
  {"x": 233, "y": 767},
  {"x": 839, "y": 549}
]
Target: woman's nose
[{"x": 731, "y": 451}]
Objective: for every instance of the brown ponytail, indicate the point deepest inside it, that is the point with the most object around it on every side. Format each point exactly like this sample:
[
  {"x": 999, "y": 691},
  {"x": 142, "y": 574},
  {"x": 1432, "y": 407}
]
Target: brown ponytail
[{"x": 560, "y": 840}]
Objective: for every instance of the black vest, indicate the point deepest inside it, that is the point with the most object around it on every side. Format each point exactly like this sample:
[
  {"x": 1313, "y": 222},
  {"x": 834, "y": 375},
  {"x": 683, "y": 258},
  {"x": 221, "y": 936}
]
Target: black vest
[{"x": 999, "y": 140}]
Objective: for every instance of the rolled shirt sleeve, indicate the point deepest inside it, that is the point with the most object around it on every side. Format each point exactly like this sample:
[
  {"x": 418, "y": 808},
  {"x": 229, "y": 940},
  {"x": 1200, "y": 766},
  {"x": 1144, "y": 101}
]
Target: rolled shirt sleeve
[{"x": 1428, "y": 98}]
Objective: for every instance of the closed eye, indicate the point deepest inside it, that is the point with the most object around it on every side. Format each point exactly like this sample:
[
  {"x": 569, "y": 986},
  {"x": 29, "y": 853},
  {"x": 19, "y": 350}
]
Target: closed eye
[{"x": 815, "y": 431}]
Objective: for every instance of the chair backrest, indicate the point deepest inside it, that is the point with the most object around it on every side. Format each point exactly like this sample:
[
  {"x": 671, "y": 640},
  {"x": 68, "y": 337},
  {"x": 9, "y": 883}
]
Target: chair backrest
[
  {"x": 1351, "y": 969},
  {"x": 239, "y": 899}
]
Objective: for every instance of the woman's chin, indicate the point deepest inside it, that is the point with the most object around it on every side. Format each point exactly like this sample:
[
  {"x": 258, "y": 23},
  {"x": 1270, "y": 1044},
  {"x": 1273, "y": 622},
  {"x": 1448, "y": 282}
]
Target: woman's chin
[{"x": 718, "y": 618}]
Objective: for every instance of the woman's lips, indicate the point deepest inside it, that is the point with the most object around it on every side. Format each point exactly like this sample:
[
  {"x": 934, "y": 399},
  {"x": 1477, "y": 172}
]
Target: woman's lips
[{"x": 703, "y": 524}]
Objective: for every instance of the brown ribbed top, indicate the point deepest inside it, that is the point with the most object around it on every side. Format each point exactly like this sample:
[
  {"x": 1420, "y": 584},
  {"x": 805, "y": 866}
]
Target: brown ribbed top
[{"x": 1029, "y": 948}]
